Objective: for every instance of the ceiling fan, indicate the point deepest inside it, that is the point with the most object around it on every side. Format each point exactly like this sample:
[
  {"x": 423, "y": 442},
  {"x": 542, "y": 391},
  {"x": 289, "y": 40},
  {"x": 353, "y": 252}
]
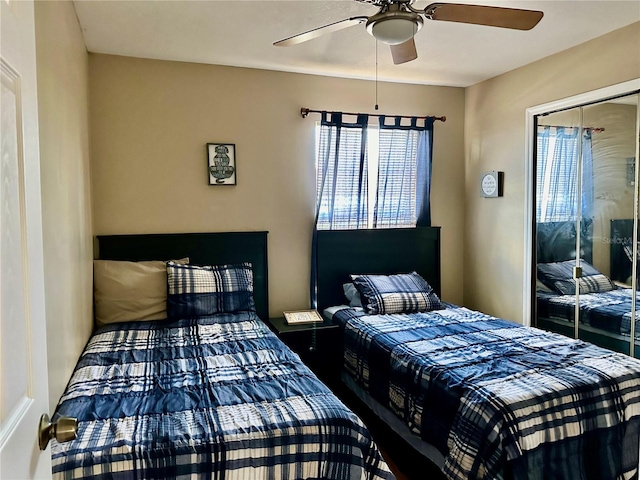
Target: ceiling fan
[{"x": 398, "y": 21}]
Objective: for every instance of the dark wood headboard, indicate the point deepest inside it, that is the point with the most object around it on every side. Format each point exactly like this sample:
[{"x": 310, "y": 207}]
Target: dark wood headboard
[
  {"x": 201, "y": 248},
  {"x": 621, "y": 235},
  {"x": 556, "y": 241},
  {"x": 378, "y": 251}
]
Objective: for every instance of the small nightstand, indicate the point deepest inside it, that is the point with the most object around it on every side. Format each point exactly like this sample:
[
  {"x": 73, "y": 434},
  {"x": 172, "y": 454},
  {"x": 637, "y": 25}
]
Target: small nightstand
[{"x": 325, "y": 358}]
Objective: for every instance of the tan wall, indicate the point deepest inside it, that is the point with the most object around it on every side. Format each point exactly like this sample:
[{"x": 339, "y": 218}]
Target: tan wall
[
  {"x": 63, "y": 98},
  {"x": 495, "y": 140},
  {"x": 150, "y": 123}
]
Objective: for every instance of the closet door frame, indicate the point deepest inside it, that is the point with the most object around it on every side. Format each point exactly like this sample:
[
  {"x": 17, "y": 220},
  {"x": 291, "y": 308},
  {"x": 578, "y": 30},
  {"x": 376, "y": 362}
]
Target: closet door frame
[{"x": 617, "y": 90}]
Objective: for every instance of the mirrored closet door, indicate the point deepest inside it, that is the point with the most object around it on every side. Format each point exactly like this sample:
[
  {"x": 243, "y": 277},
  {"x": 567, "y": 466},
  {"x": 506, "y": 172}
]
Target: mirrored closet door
[{"x": 586, "y": 226}]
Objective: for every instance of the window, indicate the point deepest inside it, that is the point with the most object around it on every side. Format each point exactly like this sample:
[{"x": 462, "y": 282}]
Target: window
[
  {"x": 370, "y": 176},
  {"x": 397, "y": 177},
  {"x": 342, "y": 178}
]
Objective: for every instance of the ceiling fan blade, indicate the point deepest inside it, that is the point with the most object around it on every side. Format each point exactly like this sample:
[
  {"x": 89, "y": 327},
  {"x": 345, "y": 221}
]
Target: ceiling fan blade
[
  {"x": 484, "y": 15},
  {"x": 404, "y": 52},
  {"x": 316, "y": 32}
]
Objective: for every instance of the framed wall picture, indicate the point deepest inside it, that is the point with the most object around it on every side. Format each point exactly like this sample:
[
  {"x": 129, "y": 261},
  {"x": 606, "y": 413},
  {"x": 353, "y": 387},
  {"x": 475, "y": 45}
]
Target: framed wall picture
[
  {"x": 491, "y": 184},
  {"x": 221, "y": 158}
]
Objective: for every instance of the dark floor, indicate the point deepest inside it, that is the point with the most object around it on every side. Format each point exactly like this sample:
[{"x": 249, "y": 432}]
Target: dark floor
[{"x": 405, "y": 462}]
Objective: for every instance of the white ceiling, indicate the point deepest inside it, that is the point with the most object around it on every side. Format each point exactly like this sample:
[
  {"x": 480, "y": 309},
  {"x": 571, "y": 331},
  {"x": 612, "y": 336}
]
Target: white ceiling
[{"x": 241, "y": 33}]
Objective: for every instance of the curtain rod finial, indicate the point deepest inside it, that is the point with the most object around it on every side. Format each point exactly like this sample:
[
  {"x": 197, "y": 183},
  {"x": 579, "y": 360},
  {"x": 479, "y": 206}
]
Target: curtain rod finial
[{"x": 304, "y": 112}]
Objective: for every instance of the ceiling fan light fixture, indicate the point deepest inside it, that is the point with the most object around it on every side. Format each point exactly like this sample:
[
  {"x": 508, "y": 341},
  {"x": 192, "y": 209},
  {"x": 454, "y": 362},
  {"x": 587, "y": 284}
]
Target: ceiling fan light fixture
[{"x": 394, "y": 28}]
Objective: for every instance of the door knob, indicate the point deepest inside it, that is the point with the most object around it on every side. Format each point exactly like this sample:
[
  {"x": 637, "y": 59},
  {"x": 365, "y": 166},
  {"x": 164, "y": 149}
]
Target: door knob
[{"x": 63, "y": 430}]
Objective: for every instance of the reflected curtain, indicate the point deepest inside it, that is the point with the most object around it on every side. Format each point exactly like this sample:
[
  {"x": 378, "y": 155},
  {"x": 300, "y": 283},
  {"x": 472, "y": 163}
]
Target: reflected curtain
[{"x": 557, "y": 174}]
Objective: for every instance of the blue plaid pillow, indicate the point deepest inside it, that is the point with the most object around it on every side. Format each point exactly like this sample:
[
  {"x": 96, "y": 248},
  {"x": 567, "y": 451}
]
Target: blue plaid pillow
[
  {"x": 558, "y": 276},
  {"x": 196, "y": 291},
  {"x": 402, "y": 293},
  {"x": 590, "y": 284}
]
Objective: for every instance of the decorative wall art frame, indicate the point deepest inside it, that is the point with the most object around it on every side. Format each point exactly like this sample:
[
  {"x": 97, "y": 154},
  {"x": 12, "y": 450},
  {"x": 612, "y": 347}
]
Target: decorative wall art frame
[{"x": 221, "y": 158}]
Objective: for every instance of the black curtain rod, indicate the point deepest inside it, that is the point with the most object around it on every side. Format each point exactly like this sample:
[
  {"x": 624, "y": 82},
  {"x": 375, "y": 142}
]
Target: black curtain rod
[{"x": 306, "y": 111}]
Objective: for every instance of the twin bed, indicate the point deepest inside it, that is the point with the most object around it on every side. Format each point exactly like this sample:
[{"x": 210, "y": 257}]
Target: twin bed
[
  {"x": 480, "y": 396},
  {"x": 604, "y": 306},
  {"x": 217, "y": 395},
  {"x": 209, "y": 392},
  {"x": 605, "y": 317}
]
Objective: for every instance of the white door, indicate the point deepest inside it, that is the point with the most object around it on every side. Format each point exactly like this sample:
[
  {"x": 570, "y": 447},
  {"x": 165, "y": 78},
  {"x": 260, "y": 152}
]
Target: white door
[{"x": 23, "y": 372}]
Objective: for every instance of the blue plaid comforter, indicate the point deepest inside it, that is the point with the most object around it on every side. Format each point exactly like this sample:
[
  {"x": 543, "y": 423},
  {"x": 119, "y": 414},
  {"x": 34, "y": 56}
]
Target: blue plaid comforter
[
  {"x": 609, "y": 311},
  {"x": 500, "y": 400},
  {"x": 217, "y": 397}
]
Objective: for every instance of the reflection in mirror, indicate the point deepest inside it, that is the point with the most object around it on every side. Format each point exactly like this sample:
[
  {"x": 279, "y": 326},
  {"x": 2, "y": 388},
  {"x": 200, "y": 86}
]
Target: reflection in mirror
[
  {"x": 586, "y": 192},
  {"x": 613, "y": 187}
]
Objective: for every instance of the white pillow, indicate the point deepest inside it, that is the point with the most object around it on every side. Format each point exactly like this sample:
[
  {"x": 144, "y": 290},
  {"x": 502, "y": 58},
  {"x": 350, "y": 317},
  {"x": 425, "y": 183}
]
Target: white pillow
[
  {"x": 352, "y": 294},
  {"x": 127, "y": 291}
]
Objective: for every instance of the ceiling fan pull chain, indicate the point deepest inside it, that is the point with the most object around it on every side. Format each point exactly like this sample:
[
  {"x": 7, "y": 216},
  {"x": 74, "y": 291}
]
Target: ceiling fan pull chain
[{"x": 376, "y": 82}]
